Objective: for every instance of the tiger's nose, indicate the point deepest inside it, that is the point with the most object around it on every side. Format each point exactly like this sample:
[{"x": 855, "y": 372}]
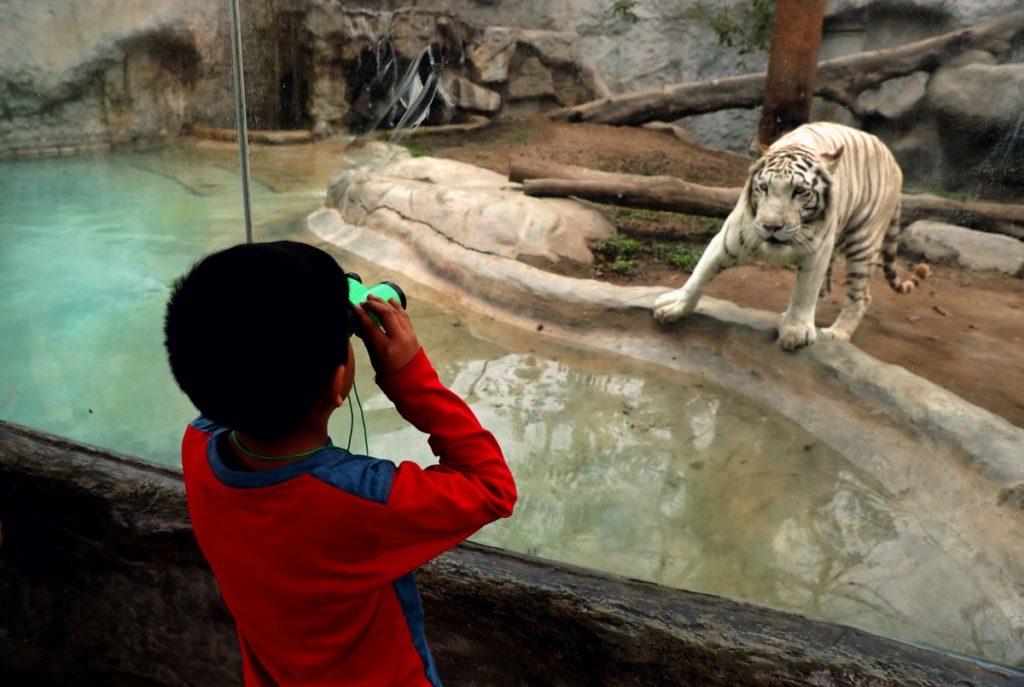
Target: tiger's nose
[{"x": 772, "y": 228}]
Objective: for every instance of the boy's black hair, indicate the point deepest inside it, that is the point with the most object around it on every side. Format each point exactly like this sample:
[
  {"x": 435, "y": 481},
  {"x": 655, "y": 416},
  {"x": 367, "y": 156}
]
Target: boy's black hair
[{"x": 254, "y": 334}]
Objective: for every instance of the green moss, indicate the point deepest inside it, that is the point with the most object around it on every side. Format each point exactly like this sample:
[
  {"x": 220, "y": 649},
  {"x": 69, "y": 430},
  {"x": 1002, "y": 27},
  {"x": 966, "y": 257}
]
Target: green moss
[
  {"x": 417, "y": 150},
  {"x": 624, "y": 10},
  {"x": 953, "y": 195}
]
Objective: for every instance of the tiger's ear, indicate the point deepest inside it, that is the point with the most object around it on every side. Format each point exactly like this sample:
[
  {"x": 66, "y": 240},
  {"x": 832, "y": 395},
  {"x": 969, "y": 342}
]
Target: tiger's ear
[
  {"x": 831, "y": 159},
  {"x": 755, "y": 167},
  {"x": 756, "y": 149}
]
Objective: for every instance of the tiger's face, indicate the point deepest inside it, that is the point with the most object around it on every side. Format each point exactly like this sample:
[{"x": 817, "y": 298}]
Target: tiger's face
[{"x": 789, "y": 194}]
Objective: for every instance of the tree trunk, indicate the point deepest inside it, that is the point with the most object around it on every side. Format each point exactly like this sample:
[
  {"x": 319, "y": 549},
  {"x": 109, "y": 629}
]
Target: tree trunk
[
  {"x": 669, "y": 194},
  {"x": 792, "y": 64},
  {"x": 841, "y": 80}
]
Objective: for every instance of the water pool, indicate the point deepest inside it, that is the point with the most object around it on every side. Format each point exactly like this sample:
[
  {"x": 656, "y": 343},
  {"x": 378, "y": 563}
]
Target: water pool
[{"x": 622, "y": 466}]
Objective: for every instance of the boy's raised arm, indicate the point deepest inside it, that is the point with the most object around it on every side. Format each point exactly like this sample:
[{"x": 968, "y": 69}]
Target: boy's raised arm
[{"x": 430, "y": 510}]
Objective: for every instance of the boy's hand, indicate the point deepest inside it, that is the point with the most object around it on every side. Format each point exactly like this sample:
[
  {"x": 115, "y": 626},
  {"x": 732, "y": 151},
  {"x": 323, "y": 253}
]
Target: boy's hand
[{"x": 393, "y": 343}]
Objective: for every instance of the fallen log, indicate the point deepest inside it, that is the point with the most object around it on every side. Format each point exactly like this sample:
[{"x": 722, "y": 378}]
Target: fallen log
[
  {"x": 997, "y": 218},
  {"x": 268, "y": 137},
  {"x": 669, "y": 194},
  {"x": 664, "y": 193},
  {"x": 841, "y": 80},
  {"x": 473, "y": 123}
]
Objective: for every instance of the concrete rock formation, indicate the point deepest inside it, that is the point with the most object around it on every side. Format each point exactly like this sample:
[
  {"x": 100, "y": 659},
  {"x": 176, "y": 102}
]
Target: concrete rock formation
[
  {"x": 78, "y": 75},
  {"x": 942, "y": 133},
  {"x": 393, "y": 192},
  {"x": 81, "y": 76},
  {"x": 101, "y": 583},
  {"x": 980, "y": 98},
  {"x": 938, "y": 242},
  {"x": 469, "y": 96},
  {"x": 979, "y": 114}
]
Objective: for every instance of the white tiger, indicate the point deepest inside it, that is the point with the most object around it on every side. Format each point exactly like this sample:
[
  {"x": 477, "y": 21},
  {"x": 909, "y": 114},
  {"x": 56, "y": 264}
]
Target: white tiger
[{"x": 820, "y": 190}]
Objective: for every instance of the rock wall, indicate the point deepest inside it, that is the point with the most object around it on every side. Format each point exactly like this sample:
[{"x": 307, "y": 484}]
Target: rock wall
[
  {"x": 101, "y": 583},
  {"x": 958, "y": 128},
  {"x": 80, "y": 75},
  {"x": 667, "y": 44}
]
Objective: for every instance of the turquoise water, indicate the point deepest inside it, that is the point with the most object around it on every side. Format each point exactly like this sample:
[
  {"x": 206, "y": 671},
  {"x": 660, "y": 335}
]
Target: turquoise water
[
  {"x": 621, "y": 466},
  {"x": 88, "y": 248}
]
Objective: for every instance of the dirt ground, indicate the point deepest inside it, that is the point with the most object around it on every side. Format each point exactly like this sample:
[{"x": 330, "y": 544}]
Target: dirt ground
[{"x": 962, "y": 330}]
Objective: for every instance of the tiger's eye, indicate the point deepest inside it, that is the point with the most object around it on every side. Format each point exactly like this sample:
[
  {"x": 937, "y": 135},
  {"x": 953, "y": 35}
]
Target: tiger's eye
[{"x": 799, "y": 191}]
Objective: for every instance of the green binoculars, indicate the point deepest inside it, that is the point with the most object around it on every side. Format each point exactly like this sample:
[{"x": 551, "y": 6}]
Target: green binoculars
[{"x": 385, "y": 290}]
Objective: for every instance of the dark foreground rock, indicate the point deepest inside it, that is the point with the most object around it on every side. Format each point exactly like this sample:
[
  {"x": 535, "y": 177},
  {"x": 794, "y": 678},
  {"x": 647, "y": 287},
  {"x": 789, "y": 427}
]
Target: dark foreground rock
[{"x": 101, "y": 583}]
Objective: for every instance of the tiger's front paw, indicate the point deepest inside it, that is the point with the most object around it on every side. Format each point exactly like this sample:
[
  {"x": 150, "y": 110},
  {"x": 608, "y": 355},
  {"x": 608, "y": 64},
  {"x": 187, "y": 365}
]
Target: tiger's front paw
[
  {"x": 674, "y": 305},
  {"x": 835, "y": 333},
  {"x": 794, "y": 335}
]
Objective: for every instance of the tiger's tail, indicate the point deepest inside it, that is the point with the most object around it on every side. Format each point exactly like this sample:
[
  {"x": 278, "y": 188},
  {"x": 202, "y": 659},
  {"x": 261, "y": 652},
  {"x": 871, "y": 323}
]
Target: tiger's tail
[{"x": 889, "y": 248}]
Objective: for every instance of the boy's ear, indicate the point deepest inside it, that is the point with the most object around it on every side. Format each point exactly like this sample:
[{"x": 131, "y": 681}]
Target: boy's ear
[{"x": 338, "y": 390}]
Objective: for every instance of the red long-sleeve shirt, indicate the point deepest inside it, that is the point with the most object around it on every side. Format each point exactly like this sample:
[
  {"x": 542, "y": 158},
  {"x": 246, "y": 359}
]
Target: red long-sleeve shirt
[{"x": 314, "y": 559}]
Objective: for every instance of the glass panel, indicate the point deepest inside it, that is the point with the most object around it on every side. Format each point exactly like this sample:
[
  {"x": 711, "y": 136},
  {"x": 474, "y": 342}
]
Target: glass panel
[
  {"x": 105, "y": 200},
  {"x": 120, "y": 169},
  {"x": 626, "y": 466}
]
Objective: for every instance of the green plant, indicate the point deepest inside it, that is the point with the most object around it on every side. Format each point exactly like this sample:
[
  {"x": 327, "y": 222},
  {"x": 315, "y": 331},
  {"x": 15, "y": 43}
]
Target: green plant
[
  {"x": 623, "y": 266},
  {"x": 748, "y": 30},
  {"x": 617, "y": 247},
  {"x": 711, "y": 225},
  {"x": 685, "y": 257},
  {"x": 623, "y": 9}
]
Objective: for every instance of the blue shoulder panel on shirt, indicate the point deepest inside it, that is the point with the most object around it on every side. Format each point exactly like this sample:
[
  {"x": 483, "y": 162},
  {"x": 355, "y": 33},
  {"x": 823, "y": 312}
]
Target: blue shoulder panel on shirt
[
  {"x": 205, "y": 424},
  {"x": 363, "y": 476},
  {"x": 217, "y": 450},
  {"x": 412, "y": 607}
]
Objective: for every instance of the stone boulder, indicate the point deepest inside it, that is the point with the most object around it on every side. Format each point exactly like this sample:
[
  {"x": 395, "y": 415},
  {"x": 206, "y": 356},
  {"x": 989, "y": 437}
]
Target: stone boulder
[
  {"x": 532, "y": 80},
  {"x": 960, "y": 12},
  {"x": 896, "y": 98},
  {"x": 490, "y": 53},
  {"x": 390, "y": 191},
  {"x": 938, "y": 242},
  {"x": 978, "y": 109},
  {"x": 979, "y": 99},
  {"x": 469, "y": 96},
  {"x": 535, "y": 70}
]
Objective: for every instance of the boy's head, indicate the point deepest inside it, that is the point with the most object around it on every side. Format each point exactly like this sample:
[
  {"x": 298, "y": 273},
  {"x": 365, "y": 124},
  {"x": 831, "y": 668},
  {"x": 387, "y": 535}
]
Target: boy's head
[{"x": 255, "y": 335}]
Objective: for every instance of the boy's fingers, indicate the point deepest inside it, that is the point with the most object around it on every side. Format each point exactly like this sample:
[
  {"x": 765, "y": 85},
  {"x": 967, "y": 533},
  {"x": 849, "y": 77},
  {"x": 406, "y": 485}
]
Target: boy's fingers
[
  {"x": 387, "y": 314},
  {"x": 370, "y": 331}
]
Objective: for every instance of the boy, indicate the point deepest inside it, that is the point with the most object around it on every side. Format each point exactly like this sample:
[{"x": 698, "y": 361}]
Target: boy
[{"x": 313, "y": 548}]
